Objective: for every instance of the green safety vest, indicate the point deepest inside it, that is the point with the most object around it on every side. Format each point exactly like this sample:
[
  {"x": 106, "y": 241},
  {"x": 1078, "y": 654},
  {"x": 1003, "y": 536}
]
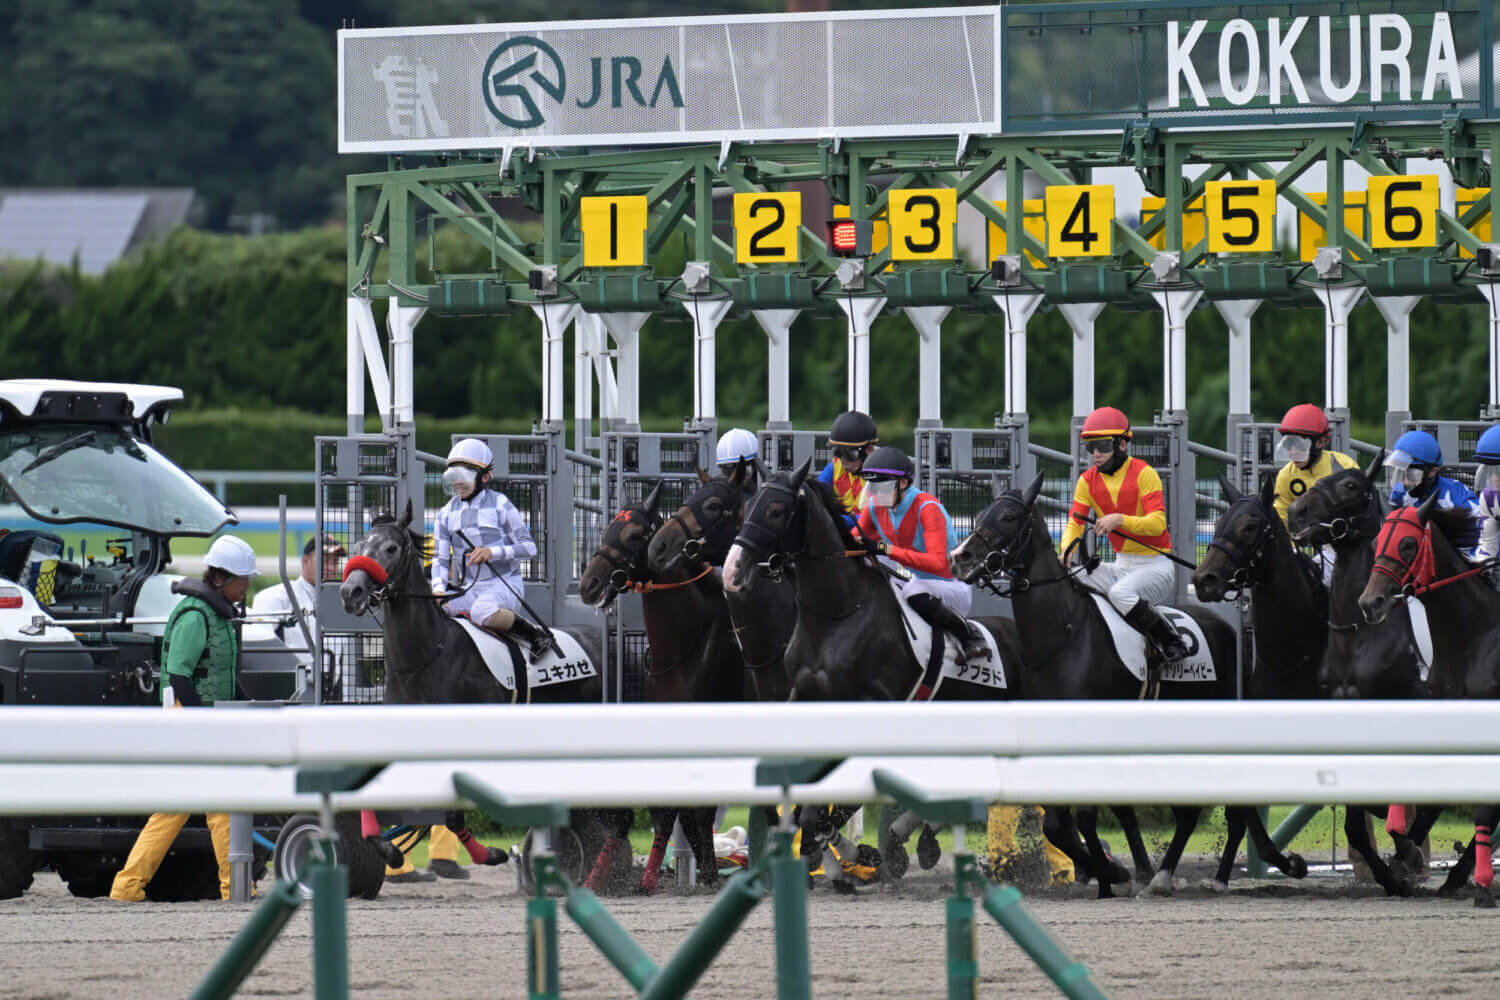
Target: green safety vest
[{"x": 195, "y": 624}]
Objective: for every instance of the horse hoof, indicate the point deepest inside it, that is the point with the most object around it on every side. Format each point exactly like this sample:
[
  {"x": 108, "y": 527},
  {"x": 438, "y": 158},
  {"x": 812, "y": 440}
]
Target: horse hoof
[
  {"x": 842, "y": 888},
  {"x": 1484, "y": 900},
  {"x": 1296, "y": 866},
  {"x": 1398, "y": 887},
  {"x": 1216, "y": 887},
  {"x": 1161, "y": 884},
  {"x": 928, "y": 849},
  {"x": 897, "y": 861},
  {"x": 1119, "y": 874},
  {"x": 1105, "y": 892}
]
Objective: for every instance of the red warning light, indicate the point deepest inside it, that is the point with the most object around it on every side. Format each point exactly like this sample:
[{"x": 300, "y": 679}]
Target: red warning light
[{"x": 849, "y": 237}]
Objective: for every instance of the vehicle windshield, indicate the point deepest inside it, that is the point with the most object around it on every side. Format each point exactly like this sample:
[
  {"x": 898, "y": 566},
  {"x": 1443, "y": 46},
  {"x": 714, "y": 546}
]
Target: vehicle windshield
[{"x": 64, "y": 473}]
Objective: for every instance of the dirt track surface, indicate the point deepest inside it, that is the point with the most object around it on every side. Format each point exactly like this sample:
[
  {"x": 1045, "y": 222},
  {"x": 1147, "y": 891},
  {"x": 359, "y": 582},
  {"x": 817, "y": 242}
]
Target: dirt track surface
[{"x": 466, "y": 939}]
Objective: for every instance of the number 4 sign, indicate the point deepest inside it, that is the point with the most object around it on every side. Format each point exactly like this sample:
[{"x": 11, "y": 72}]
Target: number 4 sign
[{"x": 1080, "y": 218}]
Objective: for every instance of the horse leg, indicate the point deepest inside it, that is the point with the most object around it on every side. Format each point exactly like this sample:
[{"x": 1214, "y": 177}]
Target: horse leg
[
  {"x": 1409, "y": 841},
  {"x": 661, "y": 826},
  {"x": 1088, "y": 825},
  {"x": 1234, "y": 822},
  {"x": 1187, "y": 822},
  {"x": 1290, "y": 863},
  {"x": 369, "y": 827},
  {"x": 1358, "y": 836},
  {"x": 1485, "y": 819},
  {"x": 901, "y": 830},
  {"x": 1458, "y": 875},
  {"x": 698, "y": 827},
  {"x": 617, "y": 839},
  {"x": 1139, "y": 856},
  {"x": 1061, "y": 832},
  {"x": 478, "y": 853}
]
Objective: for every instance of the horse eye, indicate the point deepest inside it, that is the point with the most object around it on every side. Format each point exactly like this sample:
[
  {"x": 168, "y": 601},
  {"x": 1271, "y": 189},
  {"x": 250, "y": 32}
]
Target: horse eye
[
  {"x": 1408, "y": 548},
  {"x": 713, "y": 505}
]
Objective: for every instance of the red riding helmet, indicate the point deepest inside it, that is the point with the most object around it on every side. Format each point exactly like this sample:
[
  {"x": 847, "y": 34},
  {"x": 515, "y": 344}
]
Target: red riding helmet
[
  {"x": 1304, "y": 419},
  {"x": 1106, "y": 421}
]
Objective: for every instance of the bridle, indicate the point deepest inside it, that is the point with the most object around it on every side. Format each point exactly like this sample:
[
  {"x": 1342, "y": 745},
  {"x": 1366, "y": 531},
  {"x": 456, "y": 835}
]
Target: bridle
[
  {"x": 1246, "y": 562},
  {"x": 1345, "y": 526},
  {"x": 1416, "y": 577},
  {"x": 708, "y": 546},
  {"x": 384, "y": 579},
  {"x": 627, "y": 570},
  {"x": 1003, "y": 571},
  {"x": 768, "y": 550}
]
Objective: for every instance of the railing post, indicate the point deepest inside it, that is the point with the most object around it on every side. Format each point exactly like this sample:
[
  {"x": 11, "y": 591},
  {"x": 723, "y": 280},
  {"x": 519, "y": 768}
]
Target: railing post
[
  {"x": 963, "y": 969},
  {"x": 250, "y": 944},
  {"x": 330, "y": 886},
  {"x": 789, "y": 887},
  {"x": 241, "y": 855},
  {"x": 541, "y": 927},
  {"x": 1070, "y": 975}
]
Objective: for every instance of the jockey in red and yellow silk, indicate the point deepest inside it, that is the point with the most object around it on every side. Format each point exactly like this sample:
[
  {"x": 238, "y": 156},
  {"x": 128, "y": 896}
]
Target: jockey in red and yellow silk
[
  {"x": 851, "y": 438},
  {"x": 1125, "y": 496}
]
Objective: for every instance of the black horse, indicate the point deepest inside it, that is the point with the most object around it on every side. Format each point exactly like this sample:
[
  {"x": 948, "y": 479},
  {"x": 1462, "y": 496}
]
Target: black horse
[
  {"x": 1464, "y": 612},
  {"x": 693, "y": 655},
  {"x": 1251, "y": 550},
  {"x": 1069, "y": 652},
  {"x": 1363, "y": 660},
  {"x": 429, "y": 658}
]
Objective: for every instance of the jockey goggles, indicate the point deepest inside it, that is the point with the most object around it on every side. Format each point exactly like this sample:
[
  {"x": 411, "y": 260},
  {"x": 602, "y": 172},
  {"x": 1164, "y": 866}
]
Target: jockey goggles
[
  {"x": 1487, "y": 477},
  {"x": 1099, "y": 445},
  {"x": 457, "y": 475},
  {"x": 1294, "y": 448},
  {"x": 852, "y": 452}
]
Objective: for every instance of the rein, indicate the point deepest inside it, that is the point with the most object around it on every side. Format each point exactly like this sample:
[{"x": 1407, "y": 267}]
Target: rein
[
  {"x": 1410, "y": 582},
  {"x": 651, "y": 586}
]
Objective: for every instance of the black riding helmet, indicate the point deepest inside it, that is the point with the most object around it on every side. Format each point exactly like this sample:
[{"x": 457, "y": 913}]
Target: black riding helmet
[
  {"x": 889, "y": 462},
  {"x": 852, "y": 436}
]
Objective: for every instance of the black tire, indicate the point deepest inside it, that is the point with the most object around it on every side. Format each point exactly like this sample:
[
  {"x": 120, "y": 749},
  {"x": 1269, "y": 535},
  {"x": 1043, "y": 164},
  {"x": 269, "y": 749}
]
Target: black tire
[
  {"x": 570, "y": 857},
  {"x": 17, "y": 859},
  {"x": 184, "y": 877},
  {"x": 85, "y": 877},
  {"x": 366, "y": 866}
]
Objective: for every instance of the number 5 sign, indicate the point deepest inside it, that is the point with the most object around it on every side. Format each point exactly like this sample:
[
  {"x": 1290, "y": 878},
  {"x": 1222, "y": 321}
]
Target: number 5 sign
[
  {"x": 1241, "y": 216},
  {"x": 1080, "y": 218},
  {"x": 922, "y": 223},
  {"x": 766, "y": 227},
  {"x": 1403, "y": 211}
]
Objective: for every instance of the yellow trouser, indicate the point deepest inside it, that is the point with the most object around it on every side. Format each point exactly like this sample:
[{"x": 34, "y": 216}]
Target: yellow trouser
[
  {"x": 151, "y": 846},
  {"x": 1004, "y": 821},
  {"x": 441, "y": 846}
]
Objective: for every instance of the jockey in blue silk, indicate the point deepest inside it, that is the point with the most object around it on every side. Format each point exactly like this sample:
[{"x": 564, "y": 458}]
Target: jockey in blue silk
[
  {"x": 1415, "y": 463},
  {"x": 852, "y": 438},
  {"x": 1487, "y": 485}
]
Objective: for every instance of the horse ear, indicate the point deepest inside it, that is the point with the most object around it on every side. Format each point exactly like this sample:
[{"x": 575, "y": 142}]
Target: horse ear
[
  {"x": 703, "y": 477},
  {"x": 1374, "y": 468},
  {"x": 653, "y": 498},
  {"x": 800, "y": 476},
  {"x": 1268, "y": 491},
  {"x": 1029, "y": 495},
  {"x": 406, "y": 514},
  {"x": 762, "y": 473},
  {"x": 1230, "y": 491},
  {"x": 740, "y": 473},
  {"x": 1424, "y": 511}
]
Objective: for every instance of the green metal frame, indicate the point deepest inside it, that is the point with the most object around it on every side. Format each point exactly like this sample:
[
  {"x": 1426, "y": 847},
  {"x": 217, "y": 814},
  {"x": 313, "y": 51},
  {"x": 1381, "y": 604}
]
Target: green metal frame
[{"x": 678, "y": 183}]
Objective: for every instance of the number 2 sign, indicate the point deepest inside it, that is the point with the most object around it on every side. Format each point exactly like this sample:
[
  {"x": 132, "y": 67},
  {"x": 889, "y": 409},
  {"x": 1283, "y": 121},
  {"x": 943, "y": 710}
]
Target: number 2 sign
[{"x": 766, "y": 226}]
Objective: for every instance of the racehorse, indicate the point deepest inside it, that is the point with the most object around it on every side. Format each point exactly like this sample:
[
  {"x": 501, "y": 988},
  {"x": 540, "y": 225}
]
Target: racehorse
[
  {"x": 1251, "y": 550},
  {"x": 430, "y": 658},
  {"x": 1413, "y": 560},
  {"x": 1363, "y": 660},
  {"x": 693, "y": 657},
  {"x": 1069, "y": 652}
]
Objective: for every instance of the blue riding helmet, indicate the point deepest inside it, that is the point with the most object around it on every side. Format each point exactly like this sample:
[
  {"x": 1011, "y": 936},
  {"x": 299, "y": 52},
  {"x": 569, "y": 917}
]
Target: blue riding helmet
[
  {"x": 1415, "y": 448},
  {"x": 1488, "y": 449}
]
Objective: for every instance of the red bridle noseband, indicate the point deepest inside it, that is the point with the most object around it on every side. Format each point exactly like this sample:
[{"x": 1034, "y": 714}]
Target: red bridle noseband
[{"x": 370, "y": 566}]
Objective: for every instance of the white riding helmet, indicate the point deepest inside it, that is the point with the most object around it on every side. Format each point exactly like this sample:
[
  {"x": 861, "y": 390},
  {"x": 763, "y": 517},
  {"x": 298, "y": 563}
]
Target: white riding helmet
[
  {"x": 233, "y": 555},
  {"x": 472, "y": 452},
  {"x": 735, "y": 444}
]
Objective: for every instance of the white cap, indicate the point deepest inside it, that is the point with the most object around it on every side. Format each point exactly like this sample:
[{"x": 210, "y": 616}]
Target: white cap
[
  {"x": 471, "y": 451},
  {"x": 232, "y": 555},
  {"x": 735, "y": 444}
]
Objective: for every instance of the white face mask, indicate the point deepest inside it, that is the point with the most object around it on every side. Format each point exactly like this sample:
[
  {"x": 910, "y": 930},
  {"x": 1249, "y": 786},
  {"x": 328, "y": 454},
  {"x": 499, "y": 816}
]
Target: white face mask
[
  {"x": 883, "y": 493},
  {"x": 459, "y": 475}
]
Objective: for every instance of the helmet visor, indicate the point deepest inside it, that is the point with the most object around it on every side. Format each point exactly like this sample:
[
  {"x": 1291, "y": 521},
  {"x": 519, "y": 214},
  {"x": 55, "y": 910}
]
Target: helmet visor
[
  {"x": 456, "y": 476},
  {"x": 882, "y": 492},
  {"x": 1487, "y": 477},
  {"x": 1403, "y": 471},
  {"x": 1294, "y": 448},
  {"x": 851, "y": 454}
]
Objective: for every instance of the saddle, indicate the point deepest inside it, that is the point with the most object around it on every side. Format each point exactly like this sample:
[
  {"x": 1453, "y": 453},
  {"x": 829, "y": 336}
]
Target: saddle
[
  {"x": 1145, "y": 662},
  {"x": 503, "y": 654},
  {"x": 940, "y": 660}
]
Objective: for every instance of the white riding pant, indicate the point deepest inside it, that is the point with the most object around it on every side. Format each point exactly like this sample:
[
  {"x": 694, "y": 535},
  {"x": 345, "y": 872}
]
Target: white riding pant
[
  {"x": 955, "y": 593},
  {"x": 1134, "y": 578},
  {"x": 483, "y": 601}
]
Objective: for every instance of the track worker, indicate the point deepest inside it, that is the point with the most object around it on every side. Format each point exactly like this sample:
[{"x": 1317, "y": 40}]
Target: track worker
[
  {"x": 277, "y": 599},
  {"x": 1416, "y": 467},
  {"x": 487, "y": 576},
  {"x": 1303, "y": 446},
  {"x": 1125, "y": 495},
  {"x": 851, "y": 439},
  {"x": 200, "y": 658},
  {"x": 735, "y": 444},
  {"x": 912, "y": 529}
]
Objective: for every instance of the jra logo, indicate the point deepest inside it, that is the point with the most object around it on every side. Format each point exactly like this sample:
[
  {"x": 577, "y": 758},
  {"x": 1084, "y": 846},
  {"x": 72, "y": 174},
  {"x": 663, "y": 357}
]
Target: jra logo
[{"x": 512, "y": 102}]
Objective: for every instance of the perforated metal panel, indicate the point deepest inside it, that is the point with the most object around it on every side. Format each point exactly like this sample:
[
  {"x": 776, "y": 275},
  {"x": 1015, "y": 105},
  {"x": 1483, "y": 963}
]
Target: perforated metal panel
[
  {"x": 1457, "y": 439},
  {"x": 783, "y": 450}
]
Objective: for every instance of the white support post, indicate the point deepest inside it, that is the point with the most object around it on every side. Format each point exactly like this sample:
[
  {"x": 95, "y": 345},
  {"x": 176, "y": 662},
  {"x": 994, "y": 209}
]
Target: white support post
[
  {"x": 1337, "y": 304},
  {"x": 1396, "y": 311},
  {"x": 1175, "y": 304},
  {"x": 597, "y": 339},
  {"x": 625, "y": 327},
  {"x": 1491, "y": 293},
  {"x": 1081, "y": 317},
  {"x": 1017, "y": 310},
  {"x": 777, "y": 324},
  {"x": 929, "y": 323},
  {"x": 361, "y": 315},
  {"x": 706, "y": 316},
  {"x": 861, "y": 313},
  {"x": 1236, "y": 314},
  {"x": 401, "y": 323},
  {"x": 354, "y": 364},
  {"x": 554, "y": 317},
  {"x": 583, "y": 381}
]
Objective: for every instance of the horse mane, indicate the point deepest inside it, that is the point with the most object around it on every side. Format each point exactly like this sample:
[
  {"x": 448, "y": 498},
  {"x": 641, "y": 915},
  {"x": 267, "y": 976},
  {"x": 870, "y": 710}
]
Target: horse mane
[
  {"x": 1454, "y": 520},
  {"x": 824, "y": 492}
]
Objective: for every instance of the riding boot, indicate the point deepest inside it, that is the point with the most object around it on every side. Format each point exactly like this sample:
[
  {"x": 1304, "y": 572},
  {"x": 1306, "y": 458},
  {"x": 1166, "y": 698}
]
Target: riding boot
[
  {"x": 945, "y": 619},
  {"x": 1146, "y": 620},
  {"x": 539, "y": 638}
]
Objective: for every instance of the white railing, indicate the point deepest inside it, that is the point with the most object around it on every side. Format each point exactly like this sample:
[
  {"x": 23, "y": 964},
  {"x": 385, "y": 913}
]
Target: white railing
[{"x": 82, "y": 759}]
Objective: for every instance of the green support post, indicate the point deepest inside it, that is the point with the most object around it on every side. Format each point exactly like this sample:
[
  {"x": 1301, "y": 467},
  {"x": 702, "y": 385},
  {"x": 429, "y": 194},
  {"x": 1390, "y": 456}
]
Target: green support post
[
  {"x": 963, "y": 966},
  {"x": 1070, "y": 975},
  {"x": 250, "y": 944},
  {"x": 541, "y": 934},
  {"x": 330, "y": 886},
  {"x": 738, "y": 897},
  {"x": 612, "y": 940},
  {"x": 758, "y": 835},
  {"x": 789, "y": 887},
  {"x": 1293, "y": 825}
]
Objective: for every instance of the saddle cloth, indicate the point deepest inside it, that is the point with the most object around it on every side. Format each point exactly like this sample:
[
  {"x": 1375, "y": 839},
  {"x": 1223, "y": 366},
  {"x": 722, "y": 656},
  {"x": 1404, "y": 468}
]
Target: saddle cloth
[
  {"x": 504, "y": 655},
  {"x": 1130, "y": 645},
  {"x": 987, "y": 673}
]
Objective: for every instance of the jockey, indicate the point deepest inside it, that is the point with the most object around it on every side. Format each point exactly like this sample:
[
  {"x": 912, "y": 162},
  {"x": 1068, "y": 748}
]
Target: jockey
[
  {"x": 1487, "y": 485},
  {"x": 1415, "y": 463},
  {"x": 852, "y": 437},
  {"x": 1125, "y": 494},
  {"x": 735, "y": 444},
  {"x": 1303, "y": 446},
  {"x": 492, "y": 569},
  {"x": 912, "y": 528}
]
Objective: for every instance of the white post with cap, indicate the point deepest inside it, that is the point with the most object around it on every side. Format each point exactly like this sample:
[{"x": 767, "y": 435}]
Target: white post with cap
[
  {"x": 625, "y": 328},
  {"x": 861, "y": 312},
  {"x": 555, "y": 317},
  {"x": 929, "y": 323},
  {"x": 777, "y": 324}
]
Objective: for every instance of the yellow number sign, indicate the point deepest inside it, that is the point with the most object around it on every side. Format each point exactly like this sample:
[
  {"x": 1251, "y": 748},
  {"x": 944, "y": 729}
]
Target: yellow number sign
[
  {"x": 922, "y": 223},
  {"x": 1034, "y": 222},
  {"x": 1464, "y": 199},
  {"x": 766, "y": 227},
  {"x": 1403, "y": 211},
  {"x": 1310, "y": 235},
  {"x": 1241, "y": 216},
  {"x": 614, "y": 231},
  {"x": 1193, "y": 226},
  {"x": 1080, "y": 218}
]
